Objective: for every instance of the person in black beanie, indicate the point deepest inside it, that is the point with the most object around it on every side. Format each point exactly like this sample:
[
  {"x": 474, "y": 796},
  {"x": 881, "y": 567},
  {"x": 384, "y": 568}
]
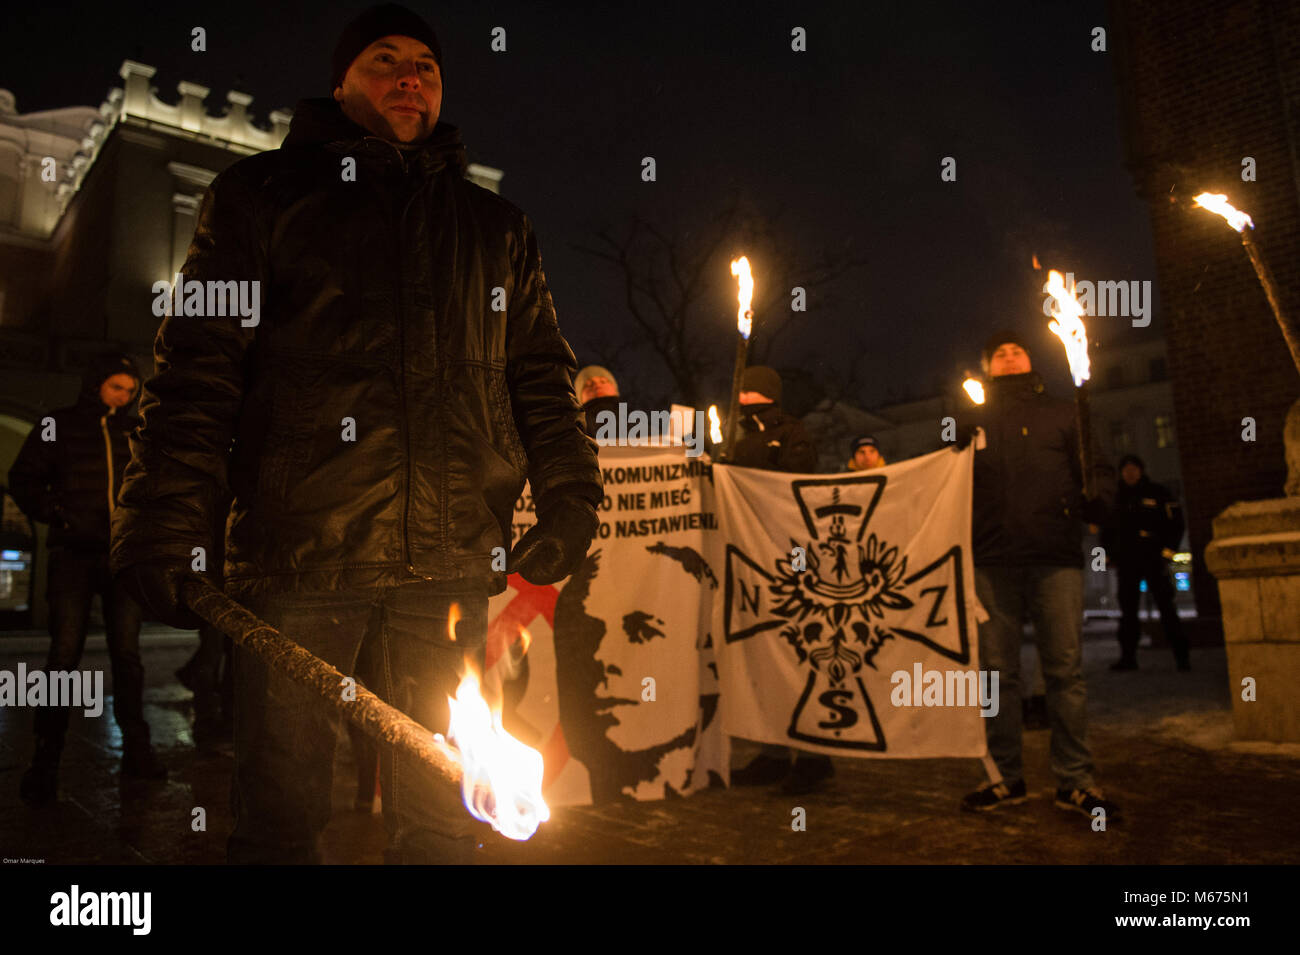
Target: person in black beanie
[
  {"x": 374, "y": 433},
  {"x": 1028, "y": 515},
  {"x": 772, "y": 440},
  {"x": 67, "y": 475},
  {"x": 1145, "y": 528}
]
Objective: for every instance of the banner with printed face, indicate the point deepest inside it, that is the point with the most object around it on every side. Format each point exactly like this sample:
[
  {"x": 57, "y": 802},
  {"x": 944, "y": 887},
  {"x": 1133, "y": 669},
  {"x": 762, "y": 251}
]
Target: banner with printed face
[
  {"x": 847, "y": 616},
  {"x": 618, "y": 688}
]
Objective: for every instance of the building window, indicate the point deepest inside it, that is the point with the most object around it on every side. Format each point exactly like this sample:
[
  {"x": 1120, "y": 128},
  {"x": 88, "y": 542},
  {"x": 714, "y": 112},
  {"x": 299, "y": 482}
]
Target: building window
[
  {"x": 1164, "y": 431},
  {"x": 1115, "y": 376},
  {"x": 1158, "y": 370},
  {"x": 1120, "y": 439}
]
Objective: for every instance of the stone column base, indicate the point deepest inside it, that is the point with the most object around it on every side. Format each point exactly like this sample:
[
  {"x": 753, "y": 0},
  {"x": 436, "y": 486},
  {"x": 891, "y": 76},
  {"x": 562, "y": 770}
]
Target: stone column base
[{"x": 1255, "y": 555}]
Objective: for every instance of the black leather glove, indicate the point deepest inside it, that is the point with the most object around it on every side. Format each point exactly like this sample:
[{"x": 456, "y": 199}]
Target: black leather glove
[
  {"x": 156, "y": 587},
  {"x": 557, "y": 543}
]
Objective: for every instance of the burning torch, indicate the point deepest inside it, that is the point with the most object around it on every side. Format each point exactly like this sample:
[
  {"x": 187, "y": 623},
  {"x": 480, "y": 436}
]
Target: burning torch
[
  {"x": 500, "y": 778},
  {"x": 715, "y": 426},
  {"x": 1218, "y": 203},
  {"x": 744, "y": 324},
  {"x": 1067, "y": 325}
]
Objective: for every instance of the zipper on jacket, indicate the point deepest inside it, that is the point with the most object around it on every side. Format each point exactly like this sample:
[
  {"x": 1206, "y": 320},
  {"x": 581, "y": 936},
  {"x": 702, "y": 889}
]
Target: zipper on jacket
[
  {"x": 401, "y": 338},
  {"x": 108, "y": 448},
  {"x": 401, "y": 387}
]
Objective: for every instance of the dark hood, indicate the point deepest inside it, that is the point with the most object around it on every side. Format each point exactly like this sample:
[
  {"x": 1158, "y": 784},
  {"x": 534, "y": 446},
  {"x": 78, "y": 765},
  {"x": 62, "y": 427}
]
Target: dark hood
[
  {"x": 320, "y": 122},
  {"x": 100, "y": 369},
  {"x": 767, "y": 413}
]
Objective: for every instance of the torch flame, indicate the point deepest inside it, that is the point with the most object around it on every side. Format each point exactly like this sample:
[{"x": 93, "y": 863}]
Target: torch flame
[
  {"x": 502, "y": 781},
  {"x": 975, "y": 389},
  {"x": 1217, "y": 202},
  {"x": 453, "y": 618},
  {"x": 715, "y": 425},
  {"x": 744, "y": 315},
  {"x": 1067, "y": 325}
]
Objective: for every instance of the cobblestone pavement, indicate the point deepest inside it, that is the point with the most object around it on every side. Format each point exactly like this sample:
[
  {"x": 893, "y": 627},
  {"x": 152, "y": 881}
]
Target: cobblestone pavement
[{"x": 1162, "y": 742}]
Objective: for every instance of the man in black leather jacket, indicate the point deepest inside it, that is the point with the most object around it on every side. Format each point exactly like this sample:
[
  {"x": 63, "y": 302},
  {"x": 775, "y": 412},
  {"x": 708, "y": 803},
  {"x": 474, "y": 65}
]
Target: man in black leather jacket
[
  {"x": 1027, "y": 535},
  {"x": 375, "y": 424},
  {"x": 67, "y": 475}
]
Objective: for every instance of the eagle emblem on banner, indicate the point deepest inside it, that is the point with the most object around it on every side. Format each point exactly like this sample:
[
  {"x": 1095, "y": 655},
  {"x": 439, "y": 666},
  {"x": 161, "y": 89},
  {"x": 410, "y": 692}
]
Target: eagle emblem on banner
[{"x": 840, "y": 596}]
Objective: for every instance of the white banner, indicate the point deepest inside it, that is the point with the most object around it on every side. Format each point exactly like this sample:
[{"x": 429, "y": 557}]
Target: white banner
[
  {"x": 618, "y": 688},
  {"x": 847, "y": 615}
]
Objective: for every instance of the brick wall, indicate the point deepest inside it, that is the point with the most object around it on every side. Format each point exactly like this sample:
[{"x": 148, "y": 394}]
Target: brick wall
[{"x": 1203, "y": 84}]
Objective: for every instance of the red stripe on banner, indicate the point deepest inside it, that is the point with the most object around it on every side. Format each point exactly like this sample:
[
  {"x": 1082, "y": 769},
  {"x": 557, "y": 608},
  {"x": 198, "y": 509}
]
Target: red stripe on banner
[
  {"x": 555, "y": 756},
  {"x": 530, "y": 600}
]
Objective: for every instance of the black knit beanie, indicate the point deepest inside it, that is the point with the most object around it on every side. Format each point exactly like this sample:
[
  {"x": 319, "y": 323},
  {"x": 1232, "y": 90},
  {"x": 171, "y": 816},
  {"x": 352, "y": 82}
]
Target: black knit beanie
[
  {"x": 389, "y": 19},
  {"x": 764, "y": 380},
  {"x": 1001, "y": 337}
]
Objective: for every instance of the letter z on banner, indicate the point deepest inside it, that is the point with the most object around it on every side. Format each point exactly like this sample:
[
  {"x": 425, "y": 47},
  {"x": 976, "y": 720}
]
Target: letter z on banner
[{"x": 832, "y": 584}]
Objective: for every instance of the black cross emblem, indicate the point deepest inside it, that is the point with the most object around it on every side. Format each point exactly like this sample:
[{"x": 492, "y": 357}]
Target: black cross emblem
[{"x": 841, "y": 603}]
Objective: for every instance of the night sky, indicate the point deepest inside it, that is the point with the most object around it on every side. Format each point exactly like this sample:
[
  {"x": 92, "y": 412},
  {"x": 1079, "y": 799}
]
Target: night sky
[{"x": 839, "y": 147}]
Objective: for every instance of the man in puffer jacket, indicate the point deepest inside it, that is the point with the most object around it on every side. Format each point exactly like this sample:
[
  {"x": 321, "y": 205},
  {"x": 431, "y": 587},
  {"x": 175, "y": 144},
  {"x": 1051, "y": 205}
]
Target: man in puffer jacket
[
  {"x": 1027, "y": 524},
  {"x": 394, "y": 375},
  {"x": 67, "y": 475}
]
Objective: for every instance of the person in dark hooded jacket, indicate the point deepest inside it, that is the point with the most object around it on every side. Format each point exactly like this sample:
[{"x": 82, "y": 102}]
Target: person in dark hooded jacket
[
  {"x": 769, "y": 438},
  {"x": 1145, "y": 528},
  {"x": 1028, "y": 515},
  {"x": 374, "y": 423},
  {"x": 772, "y": 440},
  {"x": 67, "y": 475}
]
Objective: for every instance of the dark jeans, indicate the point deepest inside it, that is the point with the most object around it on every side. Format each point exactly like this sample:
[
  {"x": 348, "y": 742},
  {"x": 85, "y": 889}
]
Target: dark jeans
[
  {"x": 75, "y": 576},
  {"x": 1161, "y": 586},
  {"x": 285, "y": 736},
  {"x": 1053, "y": 597}
]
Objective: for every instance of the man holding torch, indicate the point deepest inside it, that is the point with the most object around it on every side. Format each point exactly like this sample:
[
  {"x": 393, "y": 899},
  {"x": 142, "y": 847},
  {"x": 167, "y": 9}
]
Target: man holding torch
[
  {"x": 1027, "y": 536},
  {"x": 375, "y": 428}
]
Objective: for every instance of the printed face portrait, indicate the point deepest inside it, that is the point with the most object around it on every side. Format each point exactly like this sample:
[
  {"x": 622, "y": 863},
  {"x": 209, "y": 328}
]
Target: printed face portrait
[{"x": 606, "y": 645}]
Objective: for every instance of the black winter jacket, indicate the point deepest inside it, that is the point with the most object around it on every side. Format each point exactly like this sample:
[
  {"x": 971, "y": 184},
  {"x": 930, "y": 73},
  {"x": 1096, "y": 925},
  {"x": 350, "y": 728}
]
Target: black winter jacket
[
  {"x": 773, "y": 441},
  {"x": 404, "y": 305},
  {"x": 1028, "y": 499},
  {"x": 1145, "y": 521},
  {"x": 70, "y": 482}
]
